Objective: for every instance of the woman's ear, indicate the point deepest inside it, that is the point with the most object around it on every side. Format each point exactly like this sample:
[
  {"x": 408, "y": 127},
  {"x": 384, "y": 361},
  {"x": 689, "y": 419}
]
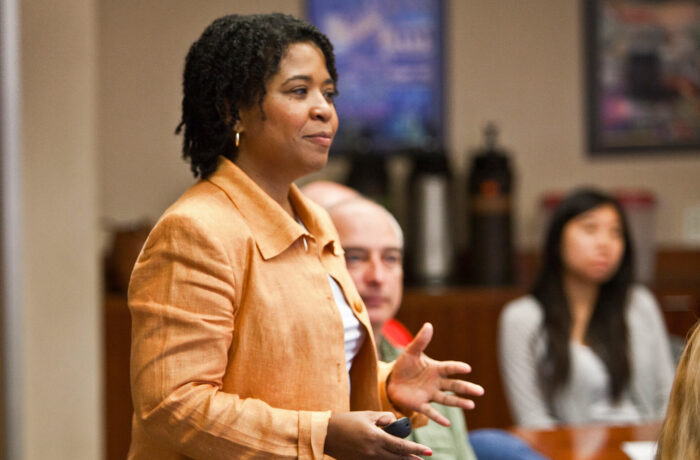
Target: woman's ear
[
  {"x": 242, "y": 116},
  {"x": 237, "y": 126}
]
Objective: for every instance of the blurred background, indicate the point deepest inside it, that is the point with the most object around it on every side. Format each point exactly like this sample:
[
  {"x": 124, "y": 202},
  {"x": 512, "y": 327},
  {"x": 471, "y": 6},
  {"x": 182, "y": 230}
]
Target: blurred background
[{"x": 90, "y": 159}]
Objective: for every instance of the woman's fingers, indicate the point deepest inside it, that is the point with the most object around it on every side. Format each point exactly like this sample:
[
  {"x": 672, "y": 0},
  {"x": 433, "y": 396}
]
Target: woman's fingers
[
  {"x": 418, "y": 380},
  {"x": 461, "y": 387},
  {"x": 420, "y": 341},
  {"x": 433, "y": 414},
  {"x": 450, "y": 399},
  {"x": 352, "y": 435},
  {"x": 451, "y": 389},
  {"x": 453, "y": 367},
  {"x": 384, "y": 418},
  {"x": 404, "y": 448}
]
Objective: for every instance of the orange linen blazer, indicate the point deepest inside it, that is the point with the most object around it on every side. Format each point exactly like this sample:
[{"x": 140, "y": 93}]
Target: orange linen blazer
[{"x": 237, "y": 343}]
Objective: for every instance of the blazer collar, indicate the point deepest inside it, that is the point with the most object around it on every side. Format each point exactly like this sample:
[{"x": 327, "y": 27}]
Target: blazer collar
[{"x": 273, "y": 229}]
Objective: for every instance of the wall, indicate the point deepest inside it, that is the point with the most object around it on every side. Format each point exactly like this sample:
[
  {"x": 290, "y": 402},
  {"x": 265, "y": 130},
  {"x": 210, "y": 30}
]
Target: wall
[
  {"x": 61, "y": 349},
  {"x": 513, "y": 62},
  {"x": 142, "y": 53},
  {"x": 104, "y": 76},
  {"x": 520, "y": 63}
]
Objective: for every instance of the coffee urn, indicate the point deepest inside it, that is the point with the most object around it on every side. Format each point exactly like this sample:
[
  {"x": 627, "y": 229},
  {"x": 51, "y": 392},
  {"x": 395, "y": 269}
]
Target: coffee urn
[
  {"x": 368, "y": 175},
  {"x": 490, "y": 246},
  {"x": 431, "y": 249}
]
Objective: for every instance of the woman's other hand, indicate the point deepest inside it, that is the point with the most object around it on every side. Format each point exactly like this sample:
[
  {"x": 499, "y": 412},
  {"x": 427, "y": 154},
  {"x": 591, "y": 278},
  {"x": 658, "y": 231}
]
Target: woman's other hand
[
  {"x": 417, "y": 380},
  {"x": 358, "y": 434}
]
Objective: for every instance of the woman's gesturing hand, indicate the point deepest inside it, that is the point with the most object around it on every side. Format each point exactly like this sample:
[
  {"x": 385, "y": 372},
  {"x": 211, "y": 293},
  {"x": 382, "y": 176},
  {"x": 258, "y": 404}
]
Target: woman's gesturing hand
[
  {"x": 353, "y": 435},
  {"x": 417, "y": 380}
]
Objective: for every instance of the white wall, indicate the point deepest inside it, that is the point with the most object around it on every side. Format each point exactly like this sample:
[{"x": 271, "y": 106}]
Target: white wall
[
  {"x": 520, "y": 63},
  {"x": 62, "y": 346},
  {"x": 516, "y": 62},
  {"x": 142, "y": 54},
  {"x": 101, "y": 96}
]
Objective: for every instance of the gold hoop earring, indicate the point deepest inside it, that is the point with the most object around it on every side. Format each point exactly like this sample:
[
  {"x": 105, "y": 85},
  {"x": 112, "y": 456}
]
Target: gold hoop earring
[{"x": 237, "y": 138}]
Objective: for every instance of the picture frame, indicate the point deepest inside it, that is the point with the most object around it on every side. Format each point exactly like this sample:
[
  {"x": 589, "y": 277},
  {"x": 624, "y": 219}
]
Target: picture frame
[
  {"x": 390, "y": 60},
  {"x": 642, "y": 64}
]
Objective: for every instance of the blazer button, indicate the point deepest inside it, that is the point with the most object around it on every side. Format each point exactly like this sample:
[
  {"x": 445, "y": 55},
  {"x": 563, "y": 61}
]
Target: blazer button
[{"x": 358, "y": 306}]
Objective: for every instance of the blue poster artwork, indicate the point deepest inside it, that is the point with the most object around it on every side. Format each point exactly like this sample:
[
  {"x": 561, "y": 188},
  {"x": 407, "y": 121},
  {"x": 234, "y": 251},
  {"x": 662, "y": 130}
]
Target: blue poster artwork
[{"x": 390, "y": 67}]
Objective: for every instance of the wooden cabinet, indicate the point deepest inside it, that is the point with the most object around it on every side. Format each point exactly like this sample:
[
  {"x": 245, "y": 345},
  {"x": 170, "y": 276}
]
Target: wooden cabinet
[
  {"x": 117, "y": 391},
  {"x": 465, "y": 321}
]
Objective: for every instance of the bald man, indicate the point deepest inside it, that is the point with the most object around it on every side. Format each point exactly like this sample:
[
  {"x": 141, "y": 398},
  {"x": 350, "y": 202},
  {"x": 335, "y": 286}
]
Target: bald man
[
  {"x": 373, "y": 244},
  {"x": 327, "y": 194}
]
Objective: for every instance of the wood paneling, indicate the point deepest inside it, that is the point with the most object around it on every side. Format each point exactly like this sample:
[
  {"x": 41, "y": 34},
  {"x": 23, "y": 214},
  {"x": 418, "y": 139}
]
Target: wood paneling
[
  {"x": 465, "y": 322},
  {"x": 466, "y": 329},
  {"x": 117, "y": 346},
  {"x": 678, "y": 268}
]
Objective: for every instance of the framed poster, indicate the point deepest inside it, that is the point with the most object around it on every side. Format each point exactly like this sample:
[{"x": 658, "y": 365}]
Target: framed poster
[
  {"x": 642, "y": 75},
  {"x": 389, "y": 55}
]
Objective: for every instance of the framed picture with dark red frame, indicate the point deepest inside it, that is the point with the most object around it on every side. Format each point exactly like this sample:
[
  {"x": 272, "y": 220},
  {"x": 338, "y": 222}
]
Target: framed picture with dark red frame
[{"x": 642, "y": 75}]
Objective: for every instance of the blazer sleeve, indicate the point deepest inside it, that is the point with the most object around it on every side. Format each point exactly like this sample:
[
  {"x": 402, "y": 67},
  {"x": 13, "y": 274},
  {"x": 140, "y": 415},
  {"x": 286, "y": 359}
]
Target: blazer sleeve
[
  {"x": 182, "y": 298},
  {"x": 517, "y": 327},
  {"x": 417, "y": 419}
]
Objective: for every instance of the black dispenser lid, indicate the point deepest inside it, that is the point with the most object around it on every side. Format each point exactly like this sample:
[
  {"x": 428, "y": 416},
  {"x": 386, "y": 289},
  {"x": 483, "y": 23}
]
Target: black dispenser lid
[
  {"x": 490, "y": 156},
  {"x": 490, "y": 162},
  {"x": 430, "y": 163}
]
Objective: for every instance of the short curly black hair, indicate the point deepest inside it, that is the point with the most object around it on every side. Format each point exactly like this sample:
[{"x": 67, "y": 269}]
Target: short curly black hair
[{"x": 227, "y": 68}]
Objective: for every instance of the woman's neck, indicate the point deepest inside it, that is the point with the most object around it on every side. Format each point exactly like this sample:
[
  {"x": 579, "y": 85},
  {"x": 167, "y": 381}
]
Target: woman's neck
[
  {"x": 272, "y": 183},
  {"x": 581, "y": 296}
]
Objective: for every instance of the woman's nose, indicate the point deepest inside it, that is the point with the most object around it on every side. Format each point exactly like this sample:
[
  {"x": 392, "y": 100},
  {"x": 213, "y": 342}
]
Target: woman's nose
[
  {"x": 605, "y": 241},
  {"x": 322, "y": 109}
]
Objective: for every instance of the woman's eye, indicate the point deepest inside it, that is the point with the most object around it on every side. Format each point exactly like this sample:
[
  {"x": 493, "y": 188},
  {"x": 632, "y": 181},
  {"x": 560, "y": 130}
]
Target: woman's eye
[
  {"x": 299, "y": 91},
  {"x": 331, "y": 95}
]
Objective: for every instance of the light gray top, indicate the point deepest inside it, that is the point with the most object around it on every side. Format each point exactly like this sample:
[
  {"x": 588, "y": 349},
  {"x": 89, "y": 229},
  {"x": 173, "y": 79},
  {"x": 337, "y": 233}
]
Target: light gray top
[{"x": 585, "y": 397}]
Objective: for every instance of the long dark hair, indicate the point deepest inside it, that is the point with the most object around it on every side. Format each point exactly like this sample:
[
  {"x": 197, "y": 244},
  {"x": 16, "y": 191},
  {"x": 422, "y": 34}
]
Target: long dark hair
[
  {"x": 226, "y": 69},
  {"x": 607, "y": 331}
]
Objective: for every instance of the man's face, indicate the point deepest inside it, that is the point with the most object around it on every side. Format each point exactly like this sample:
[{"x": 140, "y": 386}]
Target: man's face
[{"x": 374, "y": 255}]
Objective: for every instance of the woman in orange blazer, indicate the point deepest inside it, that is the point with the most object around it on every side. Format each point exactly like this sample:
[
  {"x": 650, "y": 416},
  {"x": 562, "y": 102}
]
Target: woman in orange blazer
[{"x": 249, "y": 339}]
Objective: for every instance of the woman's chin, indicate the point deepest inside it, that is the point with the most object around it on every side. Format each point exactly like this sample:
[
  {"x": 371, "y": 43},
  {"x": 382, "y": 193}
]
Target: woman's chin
[
  {"x": 316, "y": 165},
  {"x": 601, "y": 276}
]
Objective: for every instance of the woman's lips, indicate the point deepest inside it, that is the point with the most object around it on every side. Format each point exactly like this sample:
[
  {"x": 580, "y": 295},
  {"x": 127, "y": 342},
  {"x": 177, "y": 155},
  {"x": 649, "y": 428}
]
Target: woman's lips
[
  {"x": 601, "y": 264},
  {"x": 320, "y": 139}
]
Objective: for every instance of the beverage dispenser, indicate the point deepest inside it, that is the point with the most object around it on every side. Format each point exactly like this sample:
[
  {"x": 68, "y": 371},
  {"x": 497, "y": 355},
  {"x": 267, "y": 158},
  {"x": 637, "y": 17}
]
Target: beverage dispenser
[{"x": 490, "y": 241}]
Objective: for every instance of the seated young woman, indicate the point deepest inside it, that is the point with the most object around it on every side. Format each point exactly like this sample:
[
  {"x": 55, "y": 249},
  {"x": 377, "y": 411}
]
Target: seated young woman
[{"x": 587, "y": 345}]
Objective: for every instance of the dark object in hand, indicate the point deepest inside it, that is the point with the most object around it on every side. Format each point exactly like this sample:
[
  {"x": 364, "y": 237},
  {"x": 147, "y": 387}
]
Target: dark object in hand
[{"x": 400, "y": 428}]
